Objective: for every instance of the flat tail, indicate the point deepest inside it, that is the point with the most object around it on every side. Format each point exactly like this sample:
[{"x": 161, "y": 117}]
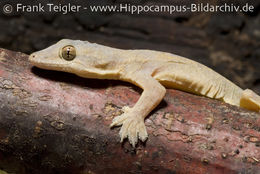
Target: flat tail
[{"x": 250, "y": 100}]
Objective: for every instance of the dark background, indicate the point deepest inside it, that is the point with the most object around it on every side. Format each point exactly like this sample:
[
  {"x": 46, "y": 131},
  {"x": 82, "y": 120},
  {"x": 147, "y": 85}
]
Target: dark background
[{"x": 227, "y": 42}]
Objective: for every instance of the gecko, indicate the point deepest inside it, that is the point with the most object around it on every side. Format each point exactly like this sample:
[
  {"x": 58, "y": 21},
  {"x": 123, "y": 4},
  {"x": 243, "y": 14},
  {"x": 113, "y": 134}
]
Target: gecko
[{"x": 153, "y": 71}]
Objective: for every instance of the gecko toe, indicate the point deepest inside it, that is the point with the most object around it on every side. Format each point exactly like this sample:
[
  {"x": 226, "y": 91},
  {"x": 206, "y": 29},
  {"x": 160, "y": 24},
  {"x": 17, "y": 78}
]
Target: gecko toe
[
  {"x": 133, "y": 134},
  {"x": 142, "y": 133},
  {"x": 118, "y": 121},
  {"x": 124, "y": 132},
  {"x": 126, "y": 109}
]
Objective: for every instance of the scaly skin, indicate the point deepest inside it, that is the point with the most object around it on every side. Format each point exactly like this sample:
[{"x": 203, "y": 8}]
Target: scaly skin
[{"x": 150, "y": 70}]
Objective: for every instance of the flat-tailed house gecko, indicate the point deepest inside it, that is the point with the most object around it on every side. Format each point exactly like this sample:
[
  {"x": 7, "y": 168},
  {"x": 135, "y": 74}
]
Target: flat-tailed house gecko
[{"x": 150, "y": 70}]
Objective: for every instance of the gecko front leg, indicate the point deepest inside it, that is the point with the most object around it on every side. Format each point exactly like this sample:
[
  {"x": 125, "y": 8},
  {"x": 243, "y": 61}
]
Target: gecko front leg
[{"x": 132, "y": 120}]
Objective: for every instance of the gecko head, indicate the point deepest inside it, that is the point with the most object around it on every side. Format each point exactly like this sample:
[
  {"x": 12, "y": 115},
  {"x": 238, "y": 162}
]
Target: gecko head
[{"x": 60, "y": 56}]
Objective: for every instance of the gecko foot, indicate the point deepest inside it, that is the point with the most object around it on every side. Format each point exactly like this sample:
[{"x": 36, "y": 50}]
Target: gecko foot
[{"x": 133, "y": 128}]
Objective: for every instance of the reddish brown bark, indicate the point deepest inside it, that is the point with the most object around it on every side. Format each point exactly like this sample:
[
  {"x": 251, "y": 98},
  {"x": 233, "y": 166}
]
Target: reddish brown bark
[{"x": 54, "y": 122}]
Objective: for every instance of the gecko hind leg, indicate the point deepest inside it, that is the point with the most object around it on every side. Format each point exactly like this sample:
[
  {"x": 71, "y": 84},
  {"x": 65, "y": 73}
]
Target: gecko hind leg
[{"x": 250, "y": 100}]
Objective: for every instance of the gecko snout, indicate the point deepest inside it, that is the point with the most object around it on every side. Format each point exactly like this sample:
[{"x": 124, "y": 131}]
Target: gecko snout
[{"x": 31, "y": 57}]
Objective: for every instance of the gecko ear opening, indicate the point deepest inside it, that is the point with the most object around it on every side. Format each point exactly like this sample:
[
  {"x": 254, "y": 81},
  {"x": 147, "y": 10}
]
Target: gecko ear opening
[{"x": 68, "y": 52}]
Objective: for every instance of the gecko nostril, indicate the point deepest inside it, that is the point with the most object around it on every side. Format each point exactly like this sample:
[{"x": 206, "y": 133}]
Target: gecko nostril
[{"x": 32, "y": 57}]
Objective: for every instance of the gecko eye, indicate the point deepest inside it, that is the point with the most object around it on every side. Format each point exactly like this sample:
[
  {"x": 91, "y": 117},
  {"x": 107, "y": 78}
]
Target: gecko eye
[{"x": 68, "y": 52}]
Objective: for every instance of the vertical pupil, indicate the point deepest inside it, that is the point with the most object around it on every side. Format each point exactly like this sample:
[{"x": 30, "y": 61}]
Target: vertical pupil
[{"x": 68, "y": 52}]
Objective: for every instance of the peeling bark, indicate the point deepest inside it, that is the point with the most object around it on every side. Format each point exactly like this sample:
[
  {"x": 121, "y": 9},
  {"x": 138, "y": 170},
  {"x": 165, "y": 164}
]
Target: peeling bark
[{"x": 55, "y": 122}]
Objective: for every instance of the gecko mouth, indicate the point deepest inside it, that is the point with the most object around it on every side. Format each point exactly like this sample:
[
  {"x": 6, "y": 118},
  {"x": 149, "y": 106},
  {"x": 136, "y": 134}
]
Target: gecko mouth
[
  {"x": 44, "y": 65},
  {"x": 35, "y": 61}
]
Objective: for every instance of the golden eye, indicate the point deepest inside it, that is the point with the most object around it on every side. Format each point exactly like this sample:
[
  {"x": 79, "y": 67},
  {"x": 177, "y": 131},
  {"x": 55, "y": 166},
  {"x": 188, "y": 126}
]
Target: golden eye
[{"x": 68, "y": 52}]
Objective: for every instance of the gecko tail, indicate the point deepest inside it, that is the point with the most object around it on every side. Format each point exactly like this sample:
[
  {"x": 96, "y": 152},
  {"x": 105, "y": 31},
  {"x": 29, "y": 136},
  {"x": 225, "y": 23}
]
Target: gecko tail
[{"x": 250, "y": 100}]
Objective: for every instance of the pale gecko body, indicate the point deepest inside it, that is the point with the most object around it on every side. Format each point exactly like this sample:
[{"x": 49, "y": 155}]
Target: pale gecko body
[{"x": 150, "y": 70}]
